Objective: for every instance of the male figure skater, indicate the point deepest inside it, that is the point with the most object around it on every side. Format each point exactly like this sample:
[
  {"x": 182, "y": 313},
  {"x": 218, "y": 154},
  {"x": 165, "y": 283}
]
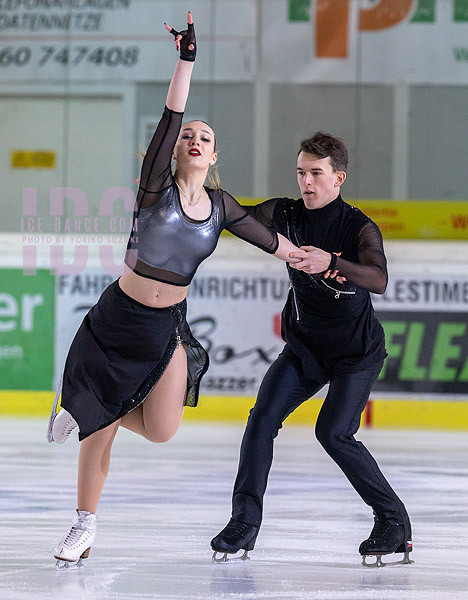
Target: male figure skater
[{"x": 332, "y": 336}]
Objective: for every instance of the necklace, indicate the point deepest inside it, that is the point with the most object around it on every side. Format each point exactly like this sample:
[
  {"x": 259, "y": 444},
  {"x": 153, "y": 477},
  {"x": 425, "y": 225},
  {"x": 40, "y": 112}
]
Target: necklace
[{"x": 187, "y": 201}]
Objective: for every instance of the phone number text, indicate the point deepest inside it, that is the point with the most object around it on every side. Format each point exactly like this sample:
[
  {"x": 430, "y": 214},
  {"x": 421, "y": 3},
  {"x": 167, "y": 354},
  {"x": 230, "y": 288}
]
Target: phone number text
[
  {"x": 230, "y": 384},
  {"x": 114, "y": 56}
]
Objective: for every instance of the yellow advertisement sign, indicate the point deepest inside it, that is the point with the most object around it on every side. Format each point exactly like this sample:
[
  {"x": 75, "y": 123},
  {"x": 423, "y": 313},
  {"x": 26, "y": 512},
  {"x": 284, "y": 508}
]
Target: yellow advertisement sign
[
  {"x": 418, "y": 219},
  {"x": 412, "y": 219},
  {"x": 32, "y": 159}
]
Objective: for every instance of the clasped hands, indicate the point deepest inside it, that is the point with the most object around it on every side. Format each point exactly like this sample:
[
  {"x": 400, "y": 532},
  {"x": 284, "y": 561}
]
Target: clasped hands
[{"x": 314, "y": 260}]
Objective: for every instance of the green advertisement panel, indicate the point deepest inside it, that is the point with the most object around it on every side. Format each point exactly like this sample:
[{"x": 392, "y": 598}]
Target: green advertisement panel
[
  {"x": 27, "y": 308},
  {"x": 427, "y": 352}
]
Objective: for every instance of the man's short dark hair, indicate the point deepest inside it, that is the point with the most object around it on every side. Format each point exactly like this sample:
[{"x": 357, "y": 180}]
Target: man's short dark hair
[{"x": 322, "y": 145}]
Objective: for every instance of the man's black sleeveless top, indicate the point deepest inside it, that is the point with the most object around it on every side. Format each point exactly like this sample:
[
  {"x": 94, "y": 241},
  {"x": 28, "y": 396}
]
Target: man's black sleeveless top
[
  {"x": 165, "y": 243},
  {"x": 331, "y": 327}
]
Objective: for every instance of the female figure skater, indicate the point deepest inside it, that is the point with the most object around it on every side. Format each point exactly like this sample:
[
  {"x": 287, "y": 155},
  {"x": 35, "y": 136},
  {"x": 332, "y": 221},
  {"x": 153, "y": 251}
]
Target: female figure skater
[{"x": 134, "y": 362}]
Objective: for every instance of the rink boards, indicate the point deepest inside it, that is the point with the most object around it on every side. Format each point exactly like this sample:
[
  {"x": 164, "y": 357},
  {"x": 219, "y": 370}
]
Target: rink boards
[
  {"x": 234, "y": 309},
  {"x": 412, "y": 412}
]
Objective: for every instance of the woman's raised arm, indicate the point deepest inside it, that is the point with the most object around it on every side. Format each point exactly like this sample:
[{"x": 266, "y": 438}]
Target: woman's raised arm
[
  {"x": 186, "y": 43},
  {"x": 156, "y": 174}
]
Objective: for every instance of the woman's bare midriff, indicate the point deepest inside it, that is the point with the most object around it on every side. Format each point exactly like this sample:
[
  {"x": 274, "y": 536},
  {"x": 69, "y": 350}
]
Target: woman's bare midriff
[{"x": 151, "y": 292}]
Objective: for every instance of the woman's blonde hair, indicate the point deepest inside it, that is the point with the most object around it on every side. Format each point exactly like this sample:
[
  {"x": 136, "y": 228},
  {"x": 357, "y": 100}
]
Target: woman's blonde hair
[{"x": 213, "y": 179}]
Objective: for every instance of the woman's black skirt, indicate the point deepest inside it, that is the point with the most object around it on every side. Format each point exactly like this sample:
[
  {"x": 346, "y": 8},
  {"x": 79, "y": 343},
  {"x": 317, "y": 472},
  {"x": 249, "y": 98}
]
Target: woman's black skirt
[{"x": 118, "y": 355}]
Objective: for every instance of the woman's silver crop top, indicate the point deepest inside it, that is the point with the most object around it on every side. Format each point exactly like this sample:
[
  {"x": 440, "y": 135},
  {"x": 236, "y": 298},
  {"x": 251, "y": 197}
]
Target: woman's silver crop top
[{"x": 165, "y": 243}]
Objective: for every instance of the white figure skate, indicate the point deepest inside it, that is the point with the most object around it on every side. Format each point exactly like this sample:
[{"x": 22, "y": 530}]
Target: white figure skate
[
  {"x": 76, "y": 543},
  {"x": 60, "y": 424}
]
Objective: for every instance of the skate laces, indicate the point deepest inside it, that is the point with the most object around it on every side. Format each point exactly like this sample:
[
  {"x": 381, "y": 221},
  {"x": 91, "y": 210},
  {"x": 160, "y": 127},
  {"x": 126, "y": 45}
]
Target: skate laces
[
  {"x": 78, "y": 529},
  {"x": 234, "y": 529},
  {"x": 63, "y": 425},
  {"x": 380, "y": 528},
  {"x": 69, "y": 426}
]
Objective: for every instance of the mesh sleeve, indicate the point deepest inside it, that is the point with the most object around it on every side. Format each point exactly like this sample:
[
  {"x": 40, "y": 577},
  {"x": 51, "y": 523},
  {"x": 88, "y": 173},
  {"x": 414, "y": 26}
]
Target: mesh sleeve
[
  {"x": 263, "y": 212},
  {"x": 370, "y": 273},
  {"x": 156, "y": 174},
  {"x": 242, "y": 223}
]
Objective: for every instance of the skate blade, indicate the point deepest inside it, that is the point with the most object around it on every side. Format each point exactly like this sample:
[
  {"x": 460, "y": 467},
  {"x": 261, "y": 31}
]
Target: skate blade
[
  {"x": 379, "y": 562},
  {"x": 53, "y": 413},
  {"x": 62, "y": 565},
  {"x": 67, "y": 565},
  {"x": 224, "y": 559}
]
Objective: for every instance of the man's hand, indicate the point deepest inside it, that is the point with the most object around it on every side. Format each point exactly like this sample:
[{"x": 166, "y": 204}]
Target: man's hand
[
  {"x": 315, "y": 260},
  {"x": 312, "y": 259}
]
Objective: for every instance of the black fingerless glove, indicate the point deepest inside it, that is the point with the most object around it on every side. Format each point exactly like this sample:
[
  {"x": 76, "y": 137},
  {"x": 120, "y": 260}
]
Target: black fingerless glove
[
  {"x": 188, "y": 37},
  {"x": 332, "y": 265}
]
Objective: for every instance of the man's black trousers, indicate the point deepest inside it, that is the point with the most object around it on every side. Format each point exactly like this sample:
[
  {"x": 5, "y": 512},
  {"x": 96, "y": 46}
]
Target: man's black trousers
[{"x": 283, "y": 389}]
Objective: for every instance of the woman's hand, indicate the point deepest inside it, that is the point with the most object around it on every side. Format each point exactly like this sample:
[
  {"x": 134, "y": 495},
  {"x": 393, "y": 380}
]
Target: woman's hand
[
  {"x": 180, "y": 83},
  {"x": 334, "y": 274},
  {"x": 185, "y": 40}
]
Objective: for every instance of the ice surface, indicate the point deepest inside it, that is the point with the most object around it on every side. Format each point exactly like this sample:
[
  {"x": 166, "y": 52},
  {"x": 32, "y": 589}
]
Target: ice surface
[{"x": 163, "y": 503}]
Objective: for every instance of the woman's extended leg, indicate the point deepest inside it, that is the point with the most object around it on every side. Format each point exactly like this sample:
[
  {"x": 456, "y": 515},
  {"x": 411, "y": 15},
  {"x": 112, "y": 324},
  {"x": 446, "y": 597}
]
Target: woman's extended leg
[{"x": 158, "y": 418}]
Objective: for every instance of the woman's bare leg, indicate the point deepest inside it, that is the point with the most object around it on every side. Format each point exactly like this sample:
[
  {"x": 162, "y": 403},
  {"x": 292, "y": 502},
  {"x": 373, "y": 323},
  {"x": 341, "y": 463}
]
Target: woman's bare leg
[
  {"x": 159, "y": 417},
  {"x": 93, "y": 466}
]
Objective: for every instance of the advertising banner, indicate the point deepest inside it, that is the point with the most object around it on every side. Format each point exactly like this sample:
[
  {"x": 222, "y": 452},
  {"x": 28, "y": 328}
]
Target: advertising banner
[
  {"x": 26, "y": 330},
  {"x": 366, "y": 41},
  {"x": 415, "y": 219},
  {"x": 425, "y": 318},
  {"x": 236, "y": 316},
  {"x": 427, "y": 353},
  {"x": 125, "y": 40},
  {"x": 418, "y": 220},
  {"x": 363, "y": 41},
  {"x": 75, "y": 295}
]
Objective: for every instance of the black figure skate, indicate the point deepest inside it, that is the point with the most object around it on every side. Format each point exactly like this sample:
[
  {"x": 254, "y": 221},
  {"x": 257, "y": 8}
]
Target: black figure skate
[
  {"x": 236, "y": 536},
  {"x": 387, "y": 538}
]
